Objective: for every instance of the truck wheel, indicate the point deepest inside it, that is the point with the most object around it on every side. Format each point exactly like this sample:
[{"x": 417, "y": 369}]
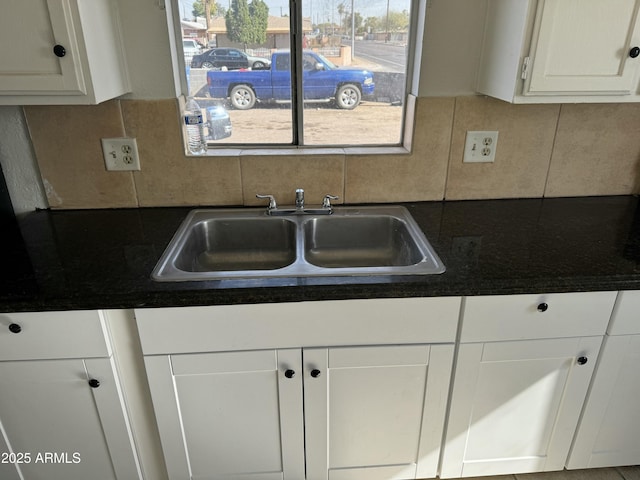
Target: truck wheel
[
  {"x": 242, "y": 97},
  {"x": 348, "y": 97}
]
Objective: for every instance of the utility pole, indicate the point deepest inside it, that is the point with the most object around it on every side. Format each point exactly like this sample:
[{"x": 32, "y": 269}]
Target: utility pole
[
  {"x": 207, "y": 18},
  {"x": 353, "y": 30},
  {"x": 387, "y": 37}
]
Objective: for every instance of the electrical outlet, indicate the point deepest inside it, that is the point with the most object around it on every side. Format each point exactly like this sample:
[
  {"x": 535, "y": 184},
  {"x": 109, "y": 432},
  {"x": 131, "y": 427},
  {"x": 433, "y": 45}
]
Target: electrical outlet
[
  {"x": 120, "y": 154},
  {"x": 480, "y": 146}
]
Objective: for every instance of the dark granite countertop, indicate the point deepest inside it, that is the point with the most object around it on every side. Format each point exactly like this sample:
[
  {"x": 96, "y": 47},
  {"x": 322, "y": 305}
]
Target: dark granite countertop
[{"x": 87, "y": 259}]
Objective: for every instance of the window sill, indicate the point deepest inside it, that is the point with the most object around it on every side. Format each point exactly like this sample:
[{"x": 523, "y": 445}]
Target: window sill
[{"x": 302, "y": 151}]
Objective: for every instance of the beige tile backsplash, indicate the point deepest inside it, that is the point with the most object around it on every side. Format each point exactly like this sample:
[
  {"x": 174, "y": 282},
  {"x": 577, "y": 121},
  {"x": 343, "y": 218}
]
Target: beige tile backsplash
[
  {"x": 542, "y": 150},
  {"x": 523, "y": 150}
]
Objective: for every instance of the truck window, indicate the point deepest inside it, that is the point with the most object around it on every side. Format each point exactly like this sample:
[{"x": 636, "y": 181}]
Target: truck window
[
  {"x": 349, "y": 61},
  {"x": 282, "y": 62}
]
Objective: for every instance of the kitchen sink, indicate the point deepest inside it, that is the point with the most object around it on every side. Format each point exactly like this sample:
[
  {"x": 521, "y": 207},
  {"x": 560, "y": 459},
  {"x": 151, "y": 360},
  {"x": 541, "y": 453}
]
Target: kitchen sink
[
  {"x": 368, "y": 241},
  {"x": 215, "y": 244},
  {"x": 236, "y": 244}
]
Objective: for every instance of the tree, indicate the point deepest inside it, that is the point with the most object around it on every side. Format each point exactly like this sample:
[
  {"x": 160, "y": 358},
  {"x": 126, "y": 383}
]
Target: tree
[
  {"x": 218, "y": 10},
  {"x": 397, "y": 21},
  {"x": 341, "y": 11},
  {"x": 247, "y": 23},
  {"x": 372, "y": 24},
  {"x": 357, "y": 22},
  {"x": 198, "y": 9}
]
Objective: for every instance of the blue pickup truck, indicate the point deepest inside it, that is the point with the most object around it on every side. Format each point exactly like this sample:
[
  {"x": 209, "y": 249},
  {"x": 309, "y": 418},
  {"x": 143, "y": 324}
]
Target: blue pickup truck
[{"x": 322, "y": 81}]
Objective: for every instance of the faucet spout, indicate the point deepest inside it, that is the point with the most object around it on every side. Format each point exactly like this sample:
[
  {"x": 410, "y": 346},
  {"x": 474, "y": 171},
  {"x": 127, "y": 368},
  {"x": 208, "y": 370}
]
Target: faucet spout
[{"x": 299, "y": 198}]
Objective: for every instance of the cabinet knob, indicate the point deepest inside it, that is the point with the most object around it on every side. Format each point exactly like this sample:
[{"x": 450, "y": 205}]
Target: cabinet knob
[
  {"x": 59, "y": 51},
  {"x": 582, "y": 360},
  {"x": 93, "y": 383},
  {"x": 543, "y": 307},
  {"x": 634, "y": 52},
  {"x": 315, "y": 373},
  {"x": 290, "y": 373},
  {"x": 15, "y": 328}
]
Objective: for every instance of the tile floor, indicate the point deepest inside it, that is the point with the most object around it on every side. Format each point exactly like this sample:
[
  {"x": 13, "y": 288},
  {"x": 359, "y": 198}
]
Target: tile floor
[{"x": 619, "y": 473}]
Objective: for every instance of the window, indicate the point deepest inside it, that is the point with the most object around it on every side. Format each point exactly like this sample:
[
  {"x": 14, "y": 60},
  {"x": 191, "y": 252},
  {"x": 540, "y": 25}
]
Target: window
[{"x": 316, "y": 73}]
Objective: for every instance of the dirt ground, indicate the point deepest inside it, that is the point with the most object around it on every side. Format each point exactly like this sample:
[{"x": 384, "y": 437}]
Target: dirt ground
[{"x": 370, "y": 123}]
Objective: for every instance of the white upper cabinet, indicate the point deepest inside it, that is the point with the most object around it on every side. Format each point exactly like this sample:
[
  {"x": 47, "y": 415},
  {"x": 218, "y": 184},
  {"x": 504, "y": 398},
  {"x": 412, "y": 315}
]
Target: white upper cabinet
[
  {"x": 552, "y": 51},
  {"x": 61, "y": 52}
]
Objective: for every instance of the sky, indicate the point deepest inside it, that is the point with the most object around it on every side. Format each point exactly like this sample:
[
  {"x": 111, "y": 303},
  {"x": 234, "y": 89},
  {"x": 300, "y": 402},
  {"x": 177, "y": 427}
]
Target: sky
[{"x": 321, "y": 9}]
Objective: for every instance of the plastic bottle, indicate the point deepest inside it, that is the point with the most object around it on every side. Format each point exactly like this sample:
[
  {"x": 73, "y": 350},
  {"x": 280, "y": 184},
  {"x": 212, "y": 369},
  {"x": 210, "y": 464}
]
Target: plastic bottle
[{"x": 194, "y": 120}]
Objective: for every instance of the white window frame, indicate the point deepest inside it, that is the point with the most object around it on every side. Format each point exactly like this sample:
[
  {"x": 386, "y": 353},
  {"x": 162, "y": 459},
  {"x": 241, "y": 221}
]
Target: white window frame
[{"x": 414, "y": 57}]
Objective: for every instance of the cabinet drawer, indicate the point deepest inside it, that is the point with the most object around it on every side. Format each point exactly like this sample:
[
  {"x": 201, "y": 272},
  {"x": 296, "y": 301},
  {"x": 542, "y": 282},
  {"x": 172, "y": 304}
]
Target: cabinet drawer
[
  {"x": 626, "y": 314},
  {"x": 300, "y": 324},
  {"x": 515, "y": 317},
  {"x": 44, "y": 335}
]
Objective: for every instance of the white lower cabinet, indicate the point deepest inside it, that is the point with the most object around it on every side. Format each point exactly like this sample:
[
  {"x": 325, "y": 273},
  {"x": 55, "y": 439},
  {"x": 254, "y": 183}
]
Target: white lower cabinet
[
  {"x": 609, "y": 430},
  {"x": 515, "y": 405},
  {"x": 375, "y": 413},
  {"x": 346, "y": 409},
  {"x": 230, "y": 414},
  {"x": 516, "y": 401},
  {"x": 62, "y": 416}
]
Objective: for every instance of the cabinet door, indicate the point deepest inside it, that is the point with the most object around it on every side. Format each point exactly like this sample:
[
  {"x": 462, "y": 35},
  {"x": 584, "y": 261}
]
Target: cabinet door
[
  {"x": 28, "y": 63},
  {"x": 609, "y": 431},
  {"x": 515, "y": 405},
  {"x": 59, "y": 427},
  {"x": 230, "y": 415},
  {"x": 582, "y": 47},
  {"x": 375, "y": 413}
]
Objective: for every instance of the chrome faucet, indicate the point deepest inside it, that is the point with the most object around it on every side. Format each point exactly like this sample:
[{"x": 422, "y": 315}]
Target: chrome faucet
[
  {"x": 299, "y": 199},
  {"x": 300, "y": 209}
]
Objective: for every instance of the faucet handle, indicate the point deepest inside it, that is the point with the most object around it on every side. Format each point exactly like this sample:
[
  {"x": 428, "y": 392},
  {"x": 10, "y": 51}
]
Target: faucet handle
[
  {"x": 272, "y": 201},
  {"x": 326, "y": 201}
]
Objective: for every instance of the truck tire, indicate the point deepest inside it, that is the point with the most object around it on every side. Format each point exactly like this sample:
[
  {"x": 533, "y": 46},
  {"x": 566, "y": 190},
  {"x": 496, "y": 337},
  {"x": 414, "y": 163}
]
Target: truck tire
[
  {"x": 348, "y": 96},
  {"x": 242, "y": 97}
]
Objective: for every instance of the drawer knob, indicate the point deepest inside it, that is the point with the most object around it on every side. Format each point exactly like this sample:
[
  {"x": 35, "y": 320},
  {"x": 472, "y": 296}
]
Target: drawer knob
[
  {"x": 543, "y": 307},
  {"x": 634, "y": 52},
  {"x": 15, "y": 328},
  {"x": 315, "y": 373},
  {"x": 59, "y": 51},
  {"x": 582, "y": 360},
  {"x": 290, "y": 373},
  {"x": 93, "y": 383}
]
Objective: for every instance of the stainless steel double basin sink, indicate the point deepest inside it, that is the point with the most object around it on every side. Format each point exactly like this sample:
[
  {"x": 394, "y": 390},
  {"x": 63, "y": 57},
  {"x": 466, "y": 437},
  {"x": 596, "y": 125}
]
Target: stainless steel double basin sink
[{"x": 249, "y": 243}]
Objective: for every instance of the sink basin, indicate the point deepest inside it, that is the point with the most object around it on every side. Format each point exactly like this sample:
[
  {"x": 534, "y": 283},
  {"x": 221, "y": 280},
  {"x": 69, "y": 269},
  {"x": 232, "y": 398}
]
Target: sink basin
[
  {"x": 233, "y": 244},
  {"x": 369, "y": 241},
  {"x": 248, "y": 243}
]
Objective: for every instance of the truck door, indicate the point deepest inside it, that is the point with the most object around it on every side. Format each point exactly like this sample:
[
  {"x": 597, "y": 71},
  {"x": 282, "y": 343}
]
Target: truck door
[
  {"x": 281, "y": 77},
  {"x": 318, "y": 83}
]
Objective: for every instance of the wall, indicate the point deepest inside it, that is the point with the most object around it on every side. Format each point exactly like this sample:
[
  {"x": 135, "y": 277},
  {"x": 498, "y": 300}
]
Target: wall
[
  {"x": 19, "y": 163},
  {"x": 543, "y": 150}
]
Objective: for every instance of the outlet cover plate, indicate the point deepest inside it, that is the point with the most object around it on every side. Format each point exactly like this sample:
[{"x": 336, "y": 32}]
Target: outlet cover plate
[
  {"x": 480, "y": 146},
  {"x": 120, "y": 154}
]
